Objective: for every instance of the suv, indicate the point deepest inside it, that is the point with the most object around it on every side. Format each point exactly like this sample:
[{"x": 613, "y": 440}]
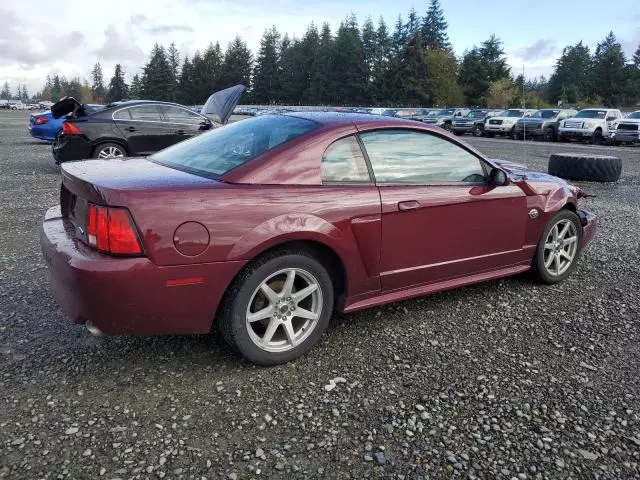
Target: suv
[
  {"x": 473, "y": 122},
  {"x": 444, "y": 118},
  {"x": 505, "y": 122},
  {"x": 626, "y": 130},
  {"x": 594, "y": 124},
  {"x": 543, "y": 124}
]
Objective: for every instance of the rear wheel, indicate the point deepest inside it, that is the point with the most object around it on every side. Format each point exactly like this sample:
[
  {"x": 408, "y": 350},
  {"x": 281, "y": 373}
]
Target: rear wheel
[
  {"x": 278, "y": 308},
  {"x": 549, "y": 135},
  {"x": 109, "y": 150},
  {"x": 559, "y": 247},
  {"x": 478, "y": 130}
]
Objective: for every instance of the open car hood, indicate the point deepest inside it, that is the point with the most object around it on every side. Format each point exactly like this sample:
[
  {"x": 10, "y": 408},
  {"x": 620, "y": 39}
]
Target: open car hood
[
  {"x": 66, "y": 106},
  {"x": 222, "y": 103}
]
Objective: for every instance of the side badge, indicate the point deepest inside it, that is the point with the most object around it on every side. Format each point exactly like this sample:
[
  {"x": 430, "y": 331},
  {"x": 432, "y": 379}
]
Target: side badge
[{"x": 533, "y": 213}]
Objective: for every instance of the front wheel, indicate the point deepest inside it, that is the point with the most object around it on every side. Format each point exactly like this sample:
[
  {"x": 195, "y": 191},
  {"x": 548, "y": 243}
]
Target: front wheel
[
  {"x": 105, "y": 151},
  {"x": 597, "y": 137},
  {"x": 559, "y": 248},
  {"x": 278, "y": 308},
  {"x": 549, "y": 135},
  {"x": 478, "y": 130}
]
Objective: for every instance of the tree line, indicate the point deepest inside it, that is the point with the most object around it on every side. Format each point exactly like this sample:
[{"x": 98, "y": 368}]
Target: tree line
[{"x": 412, "y": 64}]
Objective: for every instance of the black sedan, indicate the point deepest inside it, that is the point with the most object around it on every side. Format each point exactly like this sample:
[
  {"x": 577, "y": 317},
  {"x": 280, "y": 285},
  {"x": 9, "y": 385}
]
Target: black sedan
[{"x": 135, "y": 128}]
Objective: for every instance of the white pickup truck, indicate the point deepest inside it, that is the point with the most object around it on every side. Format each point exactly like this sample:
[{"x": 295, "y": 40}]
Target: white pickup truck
[
  {"x": 593, "y": 124},
  {"x": 626, "y": 130}
]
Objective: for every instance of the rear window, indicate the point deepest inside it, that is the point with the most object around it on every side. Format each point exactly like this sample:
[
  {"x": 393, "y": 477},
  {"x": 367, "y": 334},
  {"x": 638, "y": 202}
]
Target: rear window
[{"x": 219, "y": 151}]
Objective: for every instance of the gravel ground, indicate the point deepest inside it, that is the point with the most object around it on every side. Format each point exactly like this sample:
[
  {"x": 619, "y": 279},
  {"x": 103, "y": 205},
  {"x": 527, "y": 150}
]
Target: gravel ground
[{"x": 507, "y": 379}]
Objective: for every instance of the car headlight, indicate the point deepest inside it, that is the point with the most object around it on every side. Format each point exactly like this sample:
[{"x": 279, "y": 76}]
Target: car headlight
[{"x": 590, "y": 125}]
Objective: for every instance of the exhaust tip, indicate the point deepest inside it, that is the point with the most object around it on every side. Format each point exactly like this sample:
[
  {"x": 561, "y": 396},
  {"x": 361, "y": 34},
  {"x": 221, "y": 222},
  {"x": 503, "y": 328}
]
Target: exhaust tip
[{"x": 95, "y": 331}]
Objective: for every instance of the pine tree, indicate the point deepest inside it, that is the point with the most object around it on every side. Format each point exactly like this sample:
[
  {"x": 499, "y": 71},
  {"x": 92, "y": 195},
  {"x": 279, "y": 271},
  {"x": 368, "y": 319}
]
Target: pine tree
[
  {"x": 571, "y": 79},
  {"x": 434, "y": 27},
  {"x": 186, "y": 86},
  {"x": 472, "y": 78},
  {"x": 156, "y": 79},
  {"x": 24, "y": 94},
  {"x": 309, "y": 47},
  {"x": 118, "y": 89},
  {"x": 349, "y": 74},
  {"x": 236, "y": 67},
  {"x": 494, "y": 59},
  {"x": 97, "y": 86},
  {"x": 382, "y": 56},
  {"x": 321, "y": 69},
  {"x": 266, "y": 74},
  {"x": 442, "y": 83},
  {"x": 56, "y": 88},
  {"x": 608, "y": 72},
  {"x": 72, "y": 88},
  {"x": 412, "y": 26},
  {"x": 5, "y": 93},
  {"x": 415, "y": 72},
  {"x": 173, "y": 57},
  {"x": 212, "y": 59},
  {"x": 135, "y": 89},
  {"x": 636, "y": 57},
  {"x": 369, "y": 43}
]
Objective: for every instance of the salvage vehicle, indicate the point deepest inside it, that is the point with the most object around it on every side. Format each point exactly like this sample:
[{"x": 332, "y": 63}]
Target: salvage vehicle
[
  {"x": 626, "y": 130},
  {"x": 135, "y": 127},
  {"x": 473, "y": 122},
  {"x": 444, "y": 118},
  {"x": 263, "y": 228},
  {"x": 592, "y": 124},
  {"x": 505, "y": 122},
  {"x": 542, "y": 124},
  {"x": 44, "y": 127}
]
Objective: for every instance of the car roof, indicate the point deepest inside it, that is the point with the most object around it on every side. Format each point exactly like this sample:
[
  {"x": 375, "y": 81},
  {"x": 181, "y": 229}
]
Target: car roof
[
  {"x": 346, "y": 118},
  {"x": 130, "y": 103}
]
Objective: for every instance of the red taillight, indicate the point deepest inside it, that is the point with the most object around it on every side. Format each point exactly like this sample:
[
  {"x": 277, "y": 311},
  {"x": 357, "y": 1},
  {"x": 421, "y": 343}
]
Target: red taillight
[
  {"x": 70, "y": 129},
  {"x": 111, "y": 230},
  {"x": 40, "y": 120}
]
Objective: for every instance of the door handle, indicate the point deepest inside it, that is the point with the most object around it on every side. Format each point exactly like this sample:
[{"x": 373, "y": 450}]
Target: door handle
[
  {"x": 130, "y": 129},
  {"x": 408, "y": 205},
  {"x": 180, "y": 132}
]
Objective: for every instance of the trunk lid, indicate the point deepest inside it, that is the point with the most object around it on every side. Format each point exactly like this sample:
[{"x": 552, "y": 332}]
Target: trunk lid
[
  {"x": 114, "y": 182},
  {"x": 222, "y": 103},
  {"x": 67, "y": 106}
]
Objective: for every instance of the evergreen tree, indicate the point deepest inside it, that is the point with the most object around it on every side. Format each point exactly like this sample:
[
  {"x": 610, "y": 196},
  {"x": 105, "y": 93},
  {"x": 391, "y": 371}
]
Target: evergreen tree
[
  {"x": 135, "y": 89},
  {"x": 309, "y": 46},
  {"x": 472, "y": 77},
  {"x": 413, "y": 26},
  {"x": 236, "y": 68},
  {"x": 72, "y": 88},
  {"x": 369, "y": 42},
  {"x": 186, "y": 87},
  {"x": 24, "y": 94},
  {"x": 5, "y": 93},
  {"x": 442, "y": 84},
  {"x": 434, "y": 27},
  {"x": 571, "y": 79},
  {"x": 349, "y": 71},
  {"x": 212, "y": 59},
  {"x": 156, "y": 79},
  {"x": 636, "y": 57},
  {"x": 415, "y": 72},
  {"x": 56, "y": 89},
  {"x": 266, "y": 74},
  {"x": 97, "y": 86},
  {"x": 173, "y": 57},
  {"x": 494, "y": 60},
  {"x": 382, "y": 56},
  {"x": 118, "y": 89},
  {"x": 319, "y": 88},
  {"x": 609, "y": 75}
]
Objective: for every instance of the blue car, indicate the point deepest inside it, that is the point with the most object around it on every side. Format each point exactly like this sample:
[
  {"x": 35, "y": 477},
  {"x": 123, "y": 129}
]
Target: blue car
[{"x": 45, "y": 127}]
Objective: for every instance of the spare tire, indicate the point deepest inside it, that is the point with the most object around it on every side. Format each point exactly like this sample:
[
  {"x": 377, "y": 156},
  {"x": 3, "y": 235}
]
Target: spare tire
[{"x": 595, "y": 168}]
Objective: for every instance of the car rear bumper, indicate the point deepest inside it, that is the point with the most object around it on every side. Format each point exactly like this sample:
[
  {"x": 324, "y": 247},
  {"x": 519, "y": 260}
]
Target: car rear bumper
[
  {"x": 589, "y": 226},
  {"x": 129, "y": 295},
  {"x": 41, "y": 133},
  {"x": 71, "y": 147}
]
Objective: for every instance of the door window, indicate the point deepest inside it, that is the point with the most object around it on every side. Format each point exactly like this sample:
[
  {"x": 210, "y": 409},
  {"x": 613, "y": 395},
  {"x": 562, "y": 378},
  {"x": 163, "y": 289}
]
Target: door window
[
  {"x": 343, "y": 161},
  {"x": 149, "y": 113},
  {"x": 181, "y": 115},
  {"x": 416, "y": 158}
]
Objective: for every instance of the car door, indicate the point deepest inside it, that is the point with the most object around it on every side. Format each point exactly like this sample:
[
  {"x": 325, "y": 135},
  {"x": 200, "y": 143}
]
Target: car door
[
  {"x": 143, "y": 128},
  {"x": 184, "y": 123},
  {"x": 441, "y": 218}
]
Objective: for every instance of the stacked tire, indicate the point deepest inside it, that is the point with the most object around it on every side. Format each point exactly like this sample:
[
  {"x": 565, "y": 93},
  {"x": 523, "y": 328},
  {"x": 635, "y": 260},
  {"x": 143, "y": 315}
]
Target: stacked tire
[{"x": 594, "y": 168}]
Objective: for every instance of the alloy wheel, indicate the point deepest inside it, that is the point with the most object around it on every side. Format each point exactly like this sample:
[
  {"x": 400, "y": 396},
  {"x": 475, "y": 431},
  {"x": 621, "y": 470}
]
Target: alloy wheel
[
  {"x": 111, "y": 152},
  {"x": 284, "y": 310},
  {"x": 560, "y": 247}
]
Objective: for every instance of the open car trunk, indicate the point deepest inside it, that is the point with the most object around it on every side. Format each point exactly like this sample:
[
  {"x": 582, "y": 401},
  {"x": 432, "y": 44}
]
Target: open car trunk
[
  {"x": 220, "y": 105},
  {"x": 67, "y": 106}
]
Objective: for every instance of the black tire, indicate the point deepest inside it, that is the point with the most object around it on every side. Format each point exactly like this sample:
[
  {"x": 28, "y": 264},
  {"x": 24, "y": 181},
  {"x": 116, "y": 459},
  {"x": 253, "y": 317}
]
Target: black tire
[
  {"x": 99, "y": 148},
  {"x": 538, "y": 260},
  {"x": 512, "y": 134},
  {"x": 478, "y": 131},
  {"x": 447, "y": 126},
  {"x": 597, "y": 138},
  {"x": 231, "y": 321},
  {"x": 549, "y": 135},
  {"x": 595, "y": 168}
]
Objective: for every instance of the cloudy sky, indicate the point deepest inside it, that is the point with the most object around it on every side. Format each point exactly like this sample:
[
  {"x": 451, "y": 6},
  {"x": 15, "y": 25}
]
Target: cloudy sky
[{"x": 68, "y": 36}]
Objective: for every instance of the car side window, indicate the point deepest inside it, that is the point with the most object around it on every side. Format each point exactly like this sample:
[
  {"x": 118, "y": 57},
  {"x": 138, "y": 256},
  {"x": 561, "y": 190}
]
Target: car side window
[
  {"x": 149, "y": 113},
  {"x": 343, "y": 161},
  {"x": 124, "y": 114},
  {"x": 181, "y": 115},
  {"x": 419, "y": 158}
]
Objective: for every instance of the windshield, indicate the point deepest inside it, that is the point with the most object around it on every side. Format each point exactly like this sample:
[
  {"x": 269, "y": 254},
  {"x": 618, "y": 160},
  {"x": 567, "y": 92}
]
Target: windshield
[
  {"x": 511, "y": 113},
  {"x": 634, "y": 115},
  {"x": 592, "y": 114},
  {"x": 545, "y": 114},
  {"x": 219, "y": 151},
  {"x": 477, "y": 113},
  {"x": 447, "y": 111}
]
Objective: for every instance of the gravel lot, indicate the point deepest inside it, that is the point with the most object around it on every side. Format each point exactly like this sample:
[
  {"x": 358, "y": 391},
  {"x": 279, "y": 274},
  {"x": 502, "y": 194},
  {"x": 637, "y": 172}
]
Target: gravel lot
[{"x": 508, "y": 379}]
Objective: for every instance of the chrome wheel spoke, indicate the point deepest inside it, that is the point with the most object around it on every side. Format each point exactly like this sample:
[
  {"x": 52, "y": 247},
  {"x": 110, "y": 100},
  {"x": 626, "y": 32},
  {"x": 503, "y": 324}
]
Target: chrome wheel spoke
[
  {"x": 269, "y": 293},
  {"x": 565, "y": 254},
  {"x": 569, "y": 241},
  {"x": 549, "y": 260},
  {"x": 260, "y": 314},
  {"x": 549, "y": 246},
  {"x": 291, "y": 334},
  {"x": 304, "y": 313},
  {"x": 271, "y": 330},
  {"x": 304, "y": 293},
  {"x": 558, "y": 263},
  {"x": 563, "y": 232},
  {"x": 554, "y": 233},
  {"x": 288, "y": 284}
]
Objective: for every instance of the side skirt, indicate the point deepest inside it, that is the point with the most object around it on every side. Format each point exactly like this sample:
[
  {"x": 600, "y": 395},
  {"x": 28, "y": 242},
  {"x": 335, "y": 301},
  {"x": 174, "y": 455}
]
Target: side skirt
[{"x": 423, "y": 290}]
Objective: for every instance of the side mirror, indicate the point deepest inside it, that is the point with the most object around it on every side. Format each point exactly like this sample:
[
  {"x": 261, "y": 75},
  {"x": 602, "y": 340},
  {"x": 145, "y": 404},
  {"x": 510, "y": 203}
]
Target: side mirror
[
  {"x": 498, "y": 178},
  {"x": 205, "y": 125}
]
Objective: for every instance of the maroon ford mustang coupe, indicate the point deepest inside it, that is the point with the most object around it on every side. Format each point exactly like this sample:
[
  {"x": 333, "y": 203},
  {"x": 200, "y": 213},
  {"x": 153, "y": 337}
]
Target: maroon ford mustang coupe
[{"x": 265, "y": 226}]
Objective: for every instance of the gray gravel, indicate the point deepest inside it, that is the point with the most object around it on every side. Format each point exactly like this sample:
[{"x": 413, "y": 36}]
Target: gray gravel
[{"x": 507, "y": 379}]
